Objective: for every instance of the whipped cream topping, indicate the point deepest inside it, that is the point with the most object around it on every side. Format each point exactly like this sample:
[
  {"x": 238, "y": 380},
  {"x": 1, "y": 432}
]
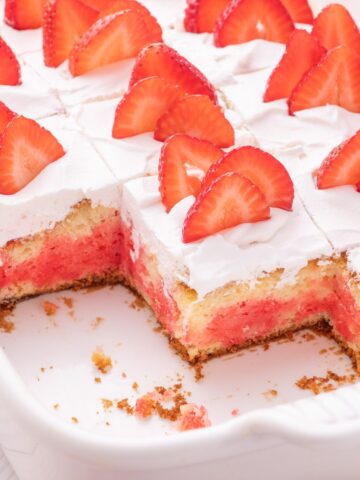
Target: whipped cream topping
[
  {"x": 336, "y": 211},
  {"x": 48, "y": 198},
  {"x": 244, "y": 253},
  {"x": 32, "y": 97}
]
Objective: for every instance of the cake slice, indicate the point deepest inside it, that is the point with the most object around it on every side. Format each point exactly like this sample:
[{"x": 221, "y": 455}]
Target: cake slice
[
  {"x": 63, "y": 228},
  {"x": 241, "y": 286}
]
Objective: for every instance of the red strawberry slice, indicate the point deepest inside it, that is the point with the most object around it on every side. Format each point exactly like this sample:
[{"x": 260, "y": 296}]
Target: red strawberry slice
[
  {"x": 115, "y": 37},
  {"x": 183, "y": 163},
  {"x": 120, "y": 5},
  {"x": 228, "y": 201},
  {"x": 334, "y": 80},
  {"x": 143, "y": 105},
  {"x": 334, "y": 26},
  {"x": 64, "y": 22},
  {"x": 197, "y": 116},
  {"x": 26, "y": 149},
  {"x": 6, "y": 115},
  {"x": 24, "y": 14},
  {"x": 262, "y": 169},
  {"x": 161, "y": 60},
  {"x": 293, "y": 66},
  {"x": 245, "y": 20},
  {"x": 299, "y": 10},
  {"x": 10, "y": 73},
  {"x": 97, "y": 4},
  {"x": 342, "y": 165},
  {"x": 201, "y": 15}
]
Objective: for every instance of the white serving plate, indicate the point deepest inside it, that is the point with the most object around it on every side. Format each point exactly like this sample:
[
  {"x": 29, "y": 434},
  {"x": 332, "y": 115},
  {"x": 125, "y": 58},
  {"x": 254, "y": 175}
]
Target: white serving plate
[{"x": 271, "y": 436}]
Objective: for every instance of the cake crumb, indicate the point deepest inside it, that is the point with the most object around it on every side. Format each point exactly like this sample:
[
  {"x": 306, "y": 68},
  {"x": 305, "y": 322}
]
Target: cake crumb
[
  {"x": 98, "y": 321},
  {"x": 69, "y": 302},
  {"x": 106, "y": 403},
  {"x": 50, "y": 308},
  {"x": 265, "y": 346},
  {"x": 101, "y": 361},
  {"x": 308, "y": 336},
  {"x": 74, "y": 420},
  {"x": 97, "y": 380},
  {"x": 42, "y": 369},
  {"x": 124, "y": 405},
  {"x": 192, "y": 417},
  {"x": 56, "y": 406},
  {"x": 135, "y": 386},
  {"x": 323, "y": 351},
  {"x": 330, "y": 382},
  {"x": 124, "y": 375},
  {"x": 6, "y": 325},
  {"x": 199, "y": 374},
  {"x": 235, "y": 412},
  {"x": 270, "y": 393},
  {"x": 138, "y": 304}
]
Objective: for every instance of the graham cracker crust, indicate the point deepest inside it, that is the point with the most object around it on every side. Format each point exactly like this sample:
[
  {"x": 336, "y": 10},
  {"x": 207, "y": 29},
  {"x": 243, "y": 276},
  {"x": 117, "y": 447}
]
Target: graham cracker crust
[{"x": 109, "y": 278}]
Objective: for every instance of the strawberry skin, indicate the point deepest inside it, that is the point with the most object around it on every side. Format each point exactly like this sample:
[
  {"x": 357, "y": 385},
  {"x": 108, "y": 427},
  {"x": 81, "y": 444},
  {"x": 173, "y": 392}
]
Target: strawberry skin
[
  {"x": 334, "y": 26},
  {"x": 26, "y": 149},
  {"x": 183, "y": 162},
  {"x": 64, "y": 22},
  {"x": 120, "y": 5},
  {"x": 228, "y": 201},
  {"x": 299, "y": 10},
  {"x": 143, "y": 105},
  {"x": 10, "y": 73},
  {"x": 201, "y": 15},
  {"x": 197, "y": 116},
  {"x": 342, "y": 165},
  {"x": 335, "y": 80},
  {"x": 245, "y": 20},
  {"x": 292, "y": 67},
  {"x": 160, "y": 60},
  {"x": 24, "y": 14},
  {"x": 262, "y": 169},
  {"x": 125, "y": 33},
  {"x": 6, "y": 115}
]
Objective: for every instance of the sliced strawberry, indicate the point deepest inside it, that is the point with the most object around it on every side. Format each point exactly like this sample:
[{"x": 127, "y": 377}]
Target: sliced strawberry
[
  {"x": 293, "y": 65},
  {"x": 197, "y": 116},
  {"x": 334, "y": 26},
  {"x": 334, "y": 80},
  {"x": 262, "y": 169},
  {"x": 183, "y": 163},
  {"x": 342, "y": 165},
  {"x": 10, "y": 73},
  {"x": 201, "y": 15},
  {"x": 97, "y": 4},
  {"x": 115, "y": 37},
  {"x": 161, "y": 60},
  {"x": 228, "y": 201},
  {"x": 245, "y": 20},
  {"x": 64, "y": 22},
  {"x": 143, "y": 105},
  {"x": 299, "y": 10},
  {"x": 120, "y": 5},
  {"x": 24, "y": 14},
  {"x": 26, "y": 149},
  {"x": 6, "y": 115}
]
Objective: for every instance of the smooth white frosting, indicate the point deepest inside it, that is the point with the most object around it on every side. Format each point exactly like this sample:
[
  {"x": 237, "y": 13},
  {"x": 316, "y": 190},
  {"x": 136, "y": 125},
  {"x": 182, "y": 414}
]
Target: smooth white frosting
[
  {"x": 48, "y": 198},
  {"x": 288, "y": 240}
]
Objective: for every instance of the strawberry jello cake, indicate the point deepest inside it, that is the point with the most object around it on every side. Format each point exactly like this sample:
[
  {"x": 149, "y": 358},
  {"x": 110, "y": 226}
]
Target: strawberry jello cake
[{"x": 207, "y": 155}]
